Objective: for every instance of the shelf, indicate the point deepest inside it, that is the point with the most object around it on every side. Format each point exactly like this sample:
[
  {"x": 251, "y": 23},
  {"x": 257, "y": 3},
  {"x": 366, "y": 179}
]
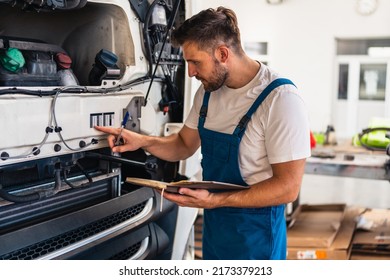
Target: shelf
[{"x": 345, "y": 161}]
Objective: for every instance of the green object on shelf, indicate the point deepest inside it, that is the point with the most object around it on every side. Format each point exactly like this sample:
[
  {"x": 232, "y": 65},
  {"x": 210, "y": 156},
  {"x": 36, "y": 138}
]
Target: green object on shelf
[
  {"x": 374, "y": 136},
  {"x": 320, "y": 138}
]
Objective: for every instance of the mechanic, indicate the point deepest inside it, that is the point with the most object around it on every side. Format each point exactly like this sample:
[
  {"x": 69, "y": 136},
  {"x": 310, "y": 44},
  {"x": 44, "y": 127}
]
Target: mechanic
[{"x": 253, "y": 129}]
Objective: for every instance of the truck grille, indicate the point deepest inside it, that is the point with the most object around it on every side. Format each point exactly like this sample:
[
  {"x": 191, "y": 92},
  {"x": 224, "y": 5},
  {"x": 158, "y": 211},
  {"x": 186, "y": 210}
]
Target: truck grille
[
  {"x": 127, "y": 253},
  {"x": 55, "y": 243}
]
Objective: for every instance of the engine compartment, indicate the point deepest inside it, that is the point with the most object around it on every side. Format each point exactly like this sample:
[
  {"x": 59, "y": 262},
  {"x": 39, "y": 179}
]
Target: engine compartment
[{"x": 80, "y": 33}]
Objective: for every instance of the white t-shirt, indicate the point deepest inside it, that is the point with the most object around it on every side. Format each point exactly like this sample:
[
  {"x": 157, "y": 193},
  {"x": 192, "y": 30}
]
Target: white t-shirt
[{"x": 277, "y": 132}]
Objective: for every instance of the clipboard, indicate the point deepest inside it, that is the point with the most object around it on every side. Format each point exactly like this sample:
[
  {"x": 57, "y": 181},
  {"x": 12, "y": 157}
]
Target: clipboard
[{"x": 175, "y": 186}]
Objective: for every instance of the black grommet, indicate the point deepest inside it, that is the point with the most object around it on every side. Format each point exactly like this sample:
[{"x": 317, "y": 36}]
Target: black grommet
[
  {"x": 57, "y": 147},
  {"x": 82, "y": 144},
  {"x": 36, "y": 151},
  {"x": 4, "y": 155}
]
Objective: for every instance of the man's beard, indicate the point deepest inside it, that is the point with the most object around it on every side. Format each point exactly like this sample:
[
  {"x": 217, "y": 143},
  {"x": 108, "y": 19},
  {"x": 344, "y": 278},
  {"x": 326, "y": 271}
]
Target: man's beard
[{"x": 218, "y": 78}]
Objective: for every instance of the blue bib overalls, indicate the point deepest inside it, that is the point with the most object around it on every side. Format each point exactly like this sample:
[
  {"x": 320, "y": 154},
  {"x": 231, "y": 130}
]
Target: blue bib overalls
[{"x": 232, "y": 233}]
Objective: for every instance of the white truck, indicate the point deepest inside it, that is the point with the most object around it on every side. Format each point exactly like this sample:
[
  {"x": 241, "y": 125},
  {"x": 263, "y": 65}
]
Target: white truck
[{"x": 65, "y": 66}]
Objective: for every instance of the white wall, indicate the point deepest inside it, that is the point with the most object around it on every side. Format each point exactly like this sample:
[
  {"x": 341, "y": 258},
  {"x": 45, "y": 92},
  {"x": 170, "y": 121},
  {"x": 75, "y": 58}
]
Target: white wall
[{"x": 301, "y": 38}]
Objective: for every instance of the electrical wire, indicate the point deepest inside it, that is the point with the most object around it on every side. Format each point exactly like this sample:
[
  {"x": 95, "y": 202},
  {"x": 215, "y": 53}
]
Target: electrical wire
[
  {"x": 69, "y": 90},
  {"x": 58, "y": 129},
  {"x": 48, "y": 130},
  {"x": 79, "y": 89},
  {"x": 148, "y": 51},
  {"x": 40, "y": 145},
  {"x": 169, "y": 28}
]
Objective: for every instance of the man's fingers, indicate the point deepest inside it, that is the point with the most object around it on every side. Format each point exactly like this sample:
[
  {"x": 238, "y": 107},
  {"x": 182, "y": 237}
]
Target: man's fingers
[
  {"x": 118, "y": 149},
  {"x": 111, "y": 140},
  {"x": 107, "y": 129},
  {"x": 114, "y": 132},
  {"x": 113, "y": 137},
  {"x": 188, "y": 192}
]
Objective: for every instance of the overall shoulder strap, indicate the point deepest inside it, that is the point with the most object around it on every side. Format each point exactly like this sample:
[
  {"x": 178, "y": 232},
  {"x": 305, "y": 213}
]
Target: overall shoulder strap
[
  {"x": 203, "y": 109},
  {"x": 240, "y": 129}
]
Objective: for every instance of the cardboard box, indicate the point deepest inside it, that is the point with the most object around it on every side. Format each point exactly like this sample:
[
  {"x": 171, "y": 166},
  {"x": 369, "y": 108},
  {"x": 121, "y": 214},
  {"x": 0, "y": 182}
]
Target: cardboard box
[
  {"x": 372, "y": 245},
  {"x": 362, "y": 256},
  {"x": 321, "y": 232},
  {"x": 315, "y": 225},
  {"x": 372, "y": 239}
]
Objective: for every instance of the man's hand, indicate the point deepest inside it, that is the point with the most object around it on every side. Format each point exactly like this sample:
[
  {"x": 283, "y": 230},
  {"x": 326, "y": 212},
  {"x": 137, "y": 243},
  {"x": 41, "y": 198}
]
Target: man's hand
[
  {"x": 131, "y": 140},
  {"x": 196, "y": 198},
  {"x": 175, "y": 147}
]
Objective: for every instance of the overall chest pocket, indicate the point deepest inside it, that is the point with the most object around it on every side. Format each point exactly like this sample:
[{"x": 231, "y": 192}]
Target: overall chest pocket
[
  {"x": 219, "y": 146},
  {"x": 215, "y": 149}
]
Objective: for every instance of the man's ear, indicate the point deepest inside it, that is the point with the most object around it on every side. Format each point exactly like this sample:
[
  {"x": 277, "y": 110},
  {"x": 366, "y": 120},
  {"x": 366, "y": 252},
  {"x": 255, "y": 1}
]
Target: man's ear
[{"x": 222, "y": 53}]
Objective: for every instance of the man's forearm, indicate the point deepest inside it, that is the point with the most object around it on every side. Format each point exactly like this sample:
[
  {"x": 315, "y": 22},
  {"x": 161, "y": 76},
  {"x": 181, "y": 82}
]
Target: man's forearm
[
  {"x": 282, "y": 188},
  {"x": 264, "y": 194},
  {"x": 170, "y": 148},
  {"x": 174, "y": 147}
]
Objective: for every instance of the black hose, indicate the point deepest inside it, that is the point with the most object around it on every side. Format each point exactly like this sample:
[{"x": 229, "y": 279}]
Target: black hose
[
  {"x": 67, "y": 181},
  {"x": 368, "y": 130},
  {"x": 18, "y": 198},
  {"x": 34, "y": 196},
  {"x": 89, "y": 177},
  {"x": 148, "y": 50},
  {"x": 79, "y": 89},
  {"x": 169, "y": 27}
]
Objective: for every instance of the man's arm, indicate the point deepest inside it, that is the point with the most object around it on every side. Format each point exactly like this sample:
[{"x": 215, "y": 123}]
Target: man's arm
[
  {"x": 170, "y": 148},
  {"x": 283, "y": 187}
]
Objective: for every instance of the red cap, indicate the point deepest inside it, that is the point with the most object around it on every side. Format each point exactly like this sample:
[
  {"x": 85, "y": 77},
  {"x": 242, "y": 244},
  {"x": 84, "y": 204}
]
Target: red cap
[{"x": 63, "y": 60}]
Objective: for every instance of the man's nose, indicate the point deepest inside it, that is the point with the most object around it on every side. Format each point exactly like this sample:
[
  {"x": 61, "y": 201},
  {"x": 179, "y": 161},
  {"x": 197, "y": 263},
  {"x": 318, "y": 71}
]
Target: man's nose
[{"x": 192, "y": 70}]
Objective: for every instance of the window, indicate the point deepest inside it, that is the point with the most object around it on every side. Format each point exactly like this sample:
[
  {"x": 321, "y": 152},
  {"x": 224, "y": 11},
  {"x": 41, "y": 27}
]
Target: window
[
  {"x": 361, "y": 89},
  {"x": 372, "y": 83},
  {"x": 343, "y": 81}
]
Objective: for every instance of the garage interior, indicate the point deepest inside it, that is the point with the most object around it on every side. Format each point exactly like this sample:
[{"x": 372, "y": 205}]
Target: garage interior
[
  {"x": 329, "y": 61},
  {"x": 337, "y": 53}
]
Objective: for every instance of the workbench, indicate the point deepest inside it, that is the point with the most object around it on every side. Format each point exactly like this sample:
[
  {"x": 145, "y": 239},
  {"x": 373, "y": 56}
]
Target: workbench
[{"x": 346, "y": 160}]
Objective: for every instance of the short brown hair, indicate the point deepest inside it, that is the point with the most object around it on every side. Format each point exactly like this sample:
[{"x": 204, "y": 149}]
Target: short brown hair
[{"x": 209, "y": 29}]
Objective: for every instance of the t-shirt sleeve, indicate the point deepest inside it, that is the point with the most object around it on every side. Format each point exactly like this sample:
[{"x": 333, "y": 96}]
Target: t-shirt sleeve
[
  {"x": 193, "y": 116},
  {"x": 287, "y": 134}
]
